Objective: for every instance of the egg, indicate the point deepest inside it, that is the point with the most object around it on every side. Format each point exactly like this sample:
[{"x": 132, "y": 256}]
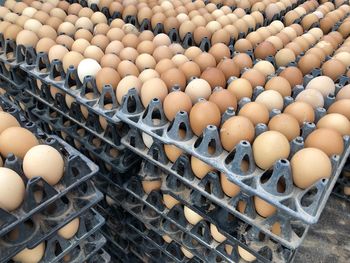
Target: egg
[
  {"x": 148, "y": 74},
  {"x": 126, "y": 68},
  {"x": 174, "y": 77},
  {"x": 107, "y": 76},
  {"x": 240, "y": 88},
  {"x": 343, "y": 93},
  {"x": 269, "y": 147},
  {"x": 7, "y": 120},
  {"x": 205, "y": 60},
  {"x": 57, "y": 52},
  {"x": 312, "y": 97},
  {"x": 271, "y": 99},
  {"x": 198, "y": 88},
  {"x": 151, "y": 185},
  {"x": 174, "y": 102},
  {"x": 234, "y": 130},
  {"x": 255, "y": 112},
  {"x": 328, "y": 140},
  {"x": 88, "y": 67},
  {"x": 202, "y": 114},
  {"x": 190, "y": 69},
  {"x": 12, "y": 189},
  {"x": 334, "y": 121},
  {"x": 333, "y": 68},
  {"x": 125, "y": 84},
  {"x": 216, "y": 234},
  {"x": 44, "y": 161},
  {"x": 341, "y": 106},
  {"x": 33, "y": 255},
  {"x": 293, "y": 75},
  {"x": 27, "y": 38},
  {"x": 16, "y": 140},
  {"x": 191, "y": 216},
  {"x": 186, "y": 252},
  {"x": 323, "y": 84},
  {"x": 264, "y": 208},
  {"x": 229, "y": 68},
  {"x": 285, "y": 124},
  {"x": 279, "y": 84},
  {"x": 169, "y": 201},
  {"x": 172, "y": 152},
  {"x": 153, "y": 88},
  {"x": 219, "y": 51},
  {"x": 246, "y": 255},
  {"x": 302, "y": 111},
  {"x": 284, "y": 57},
  {"x": 264, "y": 49},
  {"x": 310, "y": 165}
]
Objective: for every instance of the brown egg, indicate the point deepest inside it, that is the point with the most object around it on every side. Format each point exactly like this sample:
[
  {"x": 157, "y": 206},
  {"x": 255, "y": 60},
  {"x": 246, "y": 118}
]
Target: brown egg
[
  {"x": 162, "y": 52},
  {"x": 310, "y": 165},
  {"x": 333, "y": 68},
  {"x": 199, "y": 168},
  {"x": 153, "y": 88},
  {"x": 110, "y": 60},
  {"x": 114, "y": 47},
  {"x": 311, "y": 96},
  {"x": 234, "y": 130},
  {"x": 125, "y": 84},
  {"x": 301, "y": 111},
  {"x": 205, "y": 60},
  {"x": 192, "y": 52},
  {"x": 265, "y": 67},
  {"x": 344, "y": 93},
  {"x": 47, "y": 31},
  {"x": 126, "y": 67},
  {"x": 284, "y": 57},
  {"x": 323, "y": 84},
  {"x": 255, "y": 77},
  {"x": 98, "y": 17},
  {"x": 219, "y": 51},
  {"x": 174, "y": 102},
  {"x": 318, "y": 52},
  {"x": 83, "y": 33},
  {"x": 71, "y": 58},
  {"x": 202, "y": 114},
  {"x": 214, "y": 76},
  {"x": 93, "y": 52},
  {"x": 336, "y": 122},
  {"x": 265, "y": 210},
  {"x": 308, "y": 62},
  {"x": 229, "y": 68},
  {"x": 128, "y": 53},
  {"x": 264, "y": 49},
  {"x": 148, "y": 74},
  {"x": 41, "y": 16},
  {"x": 102, "y": 29},
  {"x": 66, "y": 28},
  {"x": 243, "y": 60},
  {"x": 145, "y": 61},
  {"x": 65, "y": 40},
  {"x": 220, "y": 36},
  {"x": 80, "y": 45},
  {"x": 255, "y": 112},
  {"x": 190, "y": 69},
  {"x": 130, "y": 40},
  {"x": 223, "y": 99},
  {"x": 177, "y": 49},
  {"x": 44, "y": 45},
  {"x": 12, "y": 31},
  {"x": 280, "y": 85},
  {"x": 74, "y": 8},
  {"x": 116, "y": 34},
  {"x": 240, "y": 88},
  {"x": 85, "y": 12},
  {"x": 293, "y": 75},
  {"x": 243, "y": 45},
  {"x": 285, "y": 124},
  {"x": 179, "y": 59},
  {"x": 327, "y": 140},
  {"x": 173, "y": 77}
]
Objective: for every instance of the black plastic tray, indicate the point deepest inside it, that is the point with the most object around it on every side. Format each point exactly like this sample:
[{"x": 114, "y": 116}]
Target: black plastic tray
[
  {"x": 100, "y": 256},
  {"x": 78, "y": 169},
  {"x": 90, "y": 222},
  {"x": 46, "y": 223},
  {"x": 343, "y": 181}
]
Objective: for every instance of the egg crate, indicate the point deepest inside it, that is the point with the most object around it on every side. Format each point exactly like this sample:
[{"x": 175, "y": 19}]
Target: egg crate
[
  {"x": 118, "y": 256},
  {"x": 235, "y": 230},
  {"x": 290, "y": 202},
  {"x": 57, "y": 247},
  {"x": 90, "y": 250},
  {"x": 77, "y": 168},
  {"x": 46, "y": 223},
  {"x": 198, "y": 238},
  {"x": 343, "y": 182}
]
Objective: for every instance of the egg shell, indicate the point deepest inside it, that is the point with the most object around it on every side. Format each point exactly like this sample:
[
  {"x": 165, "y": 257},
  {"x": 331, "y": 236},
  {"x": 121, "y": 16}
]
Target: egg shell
[
  {"x": 240, "y": 88},
  {"x": 152, "y": 185},
  {"x": 153, "y": 88},
  {"x": 148, "y": 74},
  {"x": 293, "y": 75},
  {"x": 327, "y": 140},
  {"x": 335, "y": 121},
  {"x": 323, "y": 84},
  {"x": 265, "y": 67},
  {"x": 229, "y": 188},
  {"x": 172, "y": 152},
  {"x": 205, "y": 60},
  {"x": 285, "y": 124},
  {"x": 246, "y": 255},
  {"x": 12, "y": 189},
  {"x": 223, "y": 99},
  {"x": 70, "y": 229},
  {"x": 269, "y": 147},
  {"x": 107, "y": 76},
  {"x": 234, "y": 130},
  {"x": 333, "y": 68},
  {"x": 216, "y": 234},
  {"x": 255, "y": 77},
  {"x": 190, "y": 69},
  {"x": 31, "y": 255},
  {"x": 93, "y": 52},
  {"x": 27, "y": 38},
  {"x": 264, "y": 208},
  {"x": 271, "y": 99},
  {"x": 198, "y": 88},
  {"x": 219, "y": 51},
  {"x": 174, "y": 102},
  {"x": 308, "y": 166},
  {"x": 16, "y": 140},
  {"x": 191, "y": 216},
  {"x": 169, "y": 201},
  {"x": 255, "y": 112},
  {"x": 57, "y": 52},
  {"x": 284, "y": 57},
  {"x": 7, "y": 120},
  {"x": 214, "y": 77},
  {"x": 302, "y": 111},
  {"x": 125, "y": 84},
  {"x": 88, "y": 67},
  {"x": 312, "y": 97}
]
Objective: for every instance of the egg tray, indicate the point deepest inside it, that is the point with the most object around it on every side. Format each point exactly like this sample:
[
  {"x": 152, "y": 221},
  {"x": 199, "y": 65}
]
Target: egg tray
[
  {"x": 179, "y": 180},
  {"x": 62, "y": 123},
  {"x": 198, "y": 238},
  {"x": 118, "y": 256},
  {"x": 45, "y": 224},
  {"x": 77, "y": 168},
  {"x": 343, "y": 181},
  {"x": 236, "y": 231},
  {"x": 57, "y": 247},
  {"x": 90, "y": 250}
]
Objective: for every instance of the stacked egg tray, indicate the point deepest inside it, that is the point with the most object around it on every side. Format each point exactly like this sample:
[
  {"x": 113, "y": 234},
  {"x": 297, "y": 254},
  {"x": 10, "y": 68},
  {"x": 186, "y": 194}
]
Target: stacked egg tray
[
  {"x": 39, "y": 220},
  {"x": 341, "y": 188}
]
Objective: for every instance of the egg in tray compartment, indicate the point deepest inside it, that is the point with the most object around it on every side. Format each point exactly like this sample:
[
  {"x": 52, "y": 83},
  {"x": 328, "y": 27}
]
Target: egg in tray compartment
[{"x": 166, "y": 196}]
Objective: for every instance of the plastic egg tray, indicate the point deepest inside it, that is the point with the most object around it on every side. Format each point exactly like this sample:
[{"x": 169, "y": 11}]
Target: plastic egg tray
[
  {"x": 343, "y": 182},
  {"x": 101, "y": 256},
  {"x": 90, "y": 222},
  {"x": 78, "y": 169},
  {"x": 46, "y": 223}
]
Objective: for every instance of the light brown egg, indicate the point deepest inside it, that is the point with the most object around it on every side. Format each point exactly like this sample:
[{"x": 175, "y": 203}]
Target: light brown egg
[
  {"x": 344, "y": 93},
  {"x": 336, "y": 122},
  {"x": 114, "y": 47},
  {"x": 198, "y": 88},
  {"x": 179, "y": 59},
  {"x": 255, "y": 77},
  {"x": 57, "y": 52},
  {"x": 264, "y": 208},
  {"x": 229, "y": 68},
  {"x": 148, "y": 74},
  {"x": 308, "y": 63},
  {"x": 312, "y": 97},
  {"x": 80, "y": 45},
  {"x": 205, "y": 60},
  {"x": 126, "y": 67},
  {"x": 93, "y": 52},
  {"x": 107, "y": 76},
  {"x": 153, "y": 88},
  {"x": 173, "y": 77},
  {"x": 83, "y": 33},
  {"x": 219, "y": 51},
  {"x": 243, "y": 45},
  {"x": 190, "y": 69},
  {"x": 71, "y": 58},
  {"x": 214, "y": 77},
  {"x": 47, "y": 31},
  {"x": 223, "y": 99},
  {"x": 44, "y": 45},
  {"x": 200, "y": 168},
  {"x": 192, "y": 52},
  {"x": 293, "y": 75},
  {"x": 269, "y": 147},
  {"x": 302, "y": 111},
  {"x": 285, "y": 124},
  {"x": 323, "y": 84},
  {"x": 12, "y": 31},
  {"x": 229, "y": 188},
  {"x": 125, "y": 84},
  {"x": 240, "y": 88},
  {"x": 234, "y": 130},
  {"x": 271, "y": 99},
  {"x": 162, "y": 52},
  {"x": 279, "y": 84},
  {"x": 128, "y": 53},
  {"x": 327, "y": 140},
  {"x": 255, "y": 112},
  {"x": 65, "y": 40},
  {"x": 310, "y": 165},
  {"x": 284, "y": 57},
  {"x": 265, "y": 67},
  {"x": 243, "y": 60},
  {"x": 174, "y": 102},
  {"x": 333, "y": 68}
]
